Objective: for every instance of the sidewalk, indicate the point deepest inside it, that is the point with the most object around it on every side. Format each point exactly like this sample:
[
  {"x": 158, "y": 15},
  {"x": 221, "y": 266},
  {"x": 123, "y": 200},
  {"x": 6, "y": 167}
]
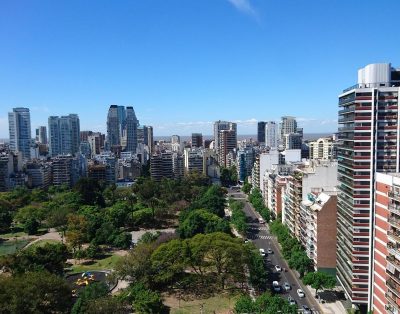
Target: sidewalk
[{"x": 329, "y": 308}]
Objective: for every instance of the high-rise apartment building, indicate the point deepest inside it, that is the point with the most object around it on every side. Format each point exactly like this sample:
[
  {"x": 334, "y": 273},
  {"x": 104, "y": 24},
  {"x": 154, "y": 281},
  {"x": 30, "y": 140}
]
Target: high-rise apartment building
[
  {"x": 227, "y": 142},
  {"x": 197, "y": 140},
  {"x": 386, "y": 265},
  {"x": 271, "y": 134},
  {"x": 367, "y": 143},
  {"x": 122, "y": 114},
  {"x": 131, "y": 124},
  {"x": 149, "y": 139},
  {"x": 178, "y": 165},
  {"x": 65, "y": 170},
  {"x": 261, "y": 132},
  {"x": 113, "y": 127},
  {"x": 64, "y": 135},
  {"x": 219, "y": 126},
  {"x": 288, "y": 125},
  {"x": 244, "y": 162},
  {"x": 42, "y": 135},
  {"x": 193, "y": 158},
  {"x": 161, "y": 166},
  {"x": 175, "y": 143},
  {"x": 19, "y": 125},
  {"x": 322, "y": 148},
  {"x": 292, "y": 141},
  {"x": 317, "y": 232}
]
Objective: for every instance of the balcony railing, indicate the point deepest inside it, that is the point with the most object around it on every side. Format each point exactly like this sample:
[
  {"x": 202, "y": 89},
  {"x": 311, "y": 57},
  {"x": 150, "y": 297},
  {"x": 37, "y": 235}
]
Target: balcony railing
[
  {"x": 394, "y": 195},
  {"x": 373, "y": 85},
  {"x": 394, "y": 235},
  {"x": 394, "y": 208},
  {"x": 394, "y": 222}
]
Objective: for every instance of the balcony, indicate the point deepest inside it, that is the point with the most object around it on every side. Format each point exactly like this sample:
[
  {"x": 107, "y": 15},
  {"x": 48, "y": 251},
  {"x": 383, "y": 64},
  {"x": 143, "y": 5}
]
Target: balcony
[
  {"x": 393, "y": 286},
  {"x": 392, "y": 307},
  {"x": 346, "y": 110},
  {"x": 394, "y": 236},
  {"x": 394, "y": 222},
  {"x": 393, "y": 260},
  {"x": 394, "y": 195},
  {"x": 394, "y": 208}
]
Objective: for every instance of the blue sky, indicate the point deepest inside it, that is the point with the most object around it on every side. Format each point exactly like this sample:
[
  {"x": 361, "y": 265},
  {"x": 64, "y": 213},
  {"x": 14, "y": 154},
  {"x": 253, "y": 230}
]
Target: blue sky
[{"x": 185, "y": 63}]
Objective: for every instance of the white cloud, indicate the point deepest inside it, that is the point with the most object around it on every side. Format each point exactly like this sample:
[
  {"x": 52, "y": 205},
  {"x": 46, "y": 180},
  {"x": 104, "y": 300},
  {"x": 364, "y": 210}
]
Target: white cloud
[
  {"x": 245, "y": 7},
  {"x": 251, "y": 121}
]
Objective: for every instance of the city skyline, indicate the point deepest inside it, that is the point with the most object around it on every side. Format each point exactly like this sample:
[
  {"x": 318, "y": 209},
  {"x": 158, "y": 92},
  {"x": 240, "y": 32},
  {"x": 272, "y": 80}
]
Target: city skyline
[{"x": 182, "y": 67}]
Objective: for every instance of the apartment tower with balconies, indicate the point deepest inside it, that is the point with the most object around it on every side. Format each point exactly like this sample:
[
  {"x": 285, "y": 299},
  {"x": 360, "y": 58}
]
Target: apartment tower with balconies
[{"x": 368, "y": 142}]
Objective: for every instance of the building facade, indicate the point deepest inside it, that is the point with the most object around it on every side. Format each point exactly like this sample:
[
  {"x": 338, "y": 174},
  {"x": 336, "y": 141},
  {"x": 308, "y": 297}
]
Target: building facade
[
  {"x": 197, "y": 140},
  {"x": 368, "y": 142},
  {"x": 64, "y": 135},
  {"x": 19, "y": 125},
  {"x": 271, "y": 134},
  {"x": 322, "y": 148},
  {"x": 261, "y": 132}
]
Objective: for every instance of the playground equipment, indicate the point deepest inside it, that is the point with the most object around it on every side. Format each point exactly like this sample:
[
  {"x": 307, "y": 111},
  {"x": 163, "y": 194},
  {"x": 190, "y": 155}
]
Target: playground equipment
[{"x": 87, "y": 277}]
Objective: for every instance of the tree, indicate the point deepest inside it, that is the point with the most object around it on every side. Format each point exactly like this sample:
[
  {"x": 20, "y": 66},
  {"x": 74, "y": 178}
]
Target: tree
[
  {"x": 76, "y": 231},
  {"x": 228, "y": 176},
  {"x": 31, "y": 226},
  {"x": 300, "y": 261},
  {"x": 245, "y": 304},
  {"x": 258, "y": 272},
  {"x": 90, "y": 191},
  {"x": 35, "y": 292},
  {"x": 5, "y": 216},
  {"x": 213, "y": 200},
  {"x": 319, "y": 280},
  {"x": 137, "y": 265},
  {"x": 149, "y": 237},
  {"x": 145, "y": 300},
  {"x": 201, "y": 221},
  {"x": 50, "y": 257},
  {"x": 91, "y": 292},
  {"x": 265, "y": 303},
  {"x": 246, "y": 187}
]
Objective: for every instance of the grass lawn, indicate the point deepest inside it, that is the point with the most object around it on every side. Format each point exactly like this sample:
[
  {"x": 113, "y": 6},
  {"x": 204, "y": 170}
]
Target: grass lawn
[
  {"x": 12, "y": 235},
  {"x": 219, "y": 304},
  {"x": 105, "y": 263},
  {"x": 11, "y": 246}
]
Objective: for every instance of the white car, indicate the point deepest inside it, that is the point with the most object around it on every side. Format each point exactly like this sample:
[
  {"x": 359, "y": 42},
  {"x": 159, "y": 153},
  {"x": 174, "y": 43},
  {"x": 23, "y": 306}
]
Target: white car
[
  {"x": 278, "y": 268},
  {"x": 276, "y": 286},
  {"x": 262, "y": 252},
  {"x": 300, "y": 293},
  {"x": 269, "y": 251},
  {"x": 261, "y": 221}
]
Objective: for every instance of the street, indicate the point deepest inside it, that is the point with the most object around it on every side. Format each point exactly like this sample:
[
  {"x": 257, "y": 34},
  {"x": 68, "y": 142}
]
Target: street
[{"x": 259, "y": 234}]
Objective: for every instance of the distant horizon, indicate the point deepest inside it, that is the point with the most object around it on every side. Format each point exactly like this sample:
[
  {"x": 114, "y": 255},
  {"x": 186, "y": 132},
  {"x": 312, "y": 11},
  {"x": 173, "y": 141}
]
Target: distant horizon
[{"x": 306, "y": 136}]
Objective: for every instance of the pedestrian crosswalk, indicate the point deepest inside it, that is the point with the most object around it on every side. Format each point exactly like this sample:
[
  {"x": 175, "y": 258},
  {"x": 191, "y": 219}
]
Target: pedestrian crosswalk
[
  {"x": 258, "y": 228},
  {"x": 257, "y": 236}
]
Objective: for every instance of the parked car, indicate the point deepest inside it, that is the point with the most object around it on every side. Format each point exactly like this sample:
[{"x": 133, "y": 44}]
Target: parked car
[
  {"x": 246, "y": 240},
  {"x": 261, "y": 221},
  {"x": 287, "y": 286},
  {"x": 262, "y": 252},
  {"x": 291, "y": 300},
  {"x": 269, "y": 251},
  {"x": 276, "y": 286},
  {"x": 300, "y": 293},
  {"x": 278, "y": 268},
  {"x": 306, "y": 309}
]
